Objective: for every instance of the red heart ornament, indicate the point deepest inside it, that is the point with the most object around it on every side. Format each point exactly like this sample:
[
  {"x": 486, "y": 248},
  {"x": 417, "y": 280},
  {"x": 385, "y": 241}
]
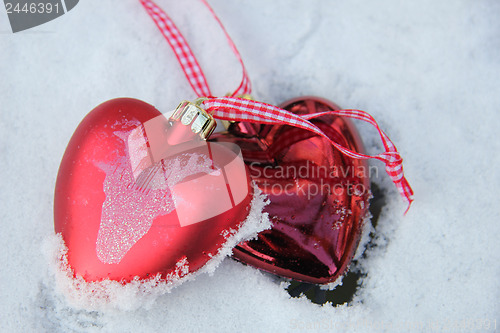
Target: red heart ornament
[
  {"x": 137, "y": 194},
  {"x": 318, "y": 196}
]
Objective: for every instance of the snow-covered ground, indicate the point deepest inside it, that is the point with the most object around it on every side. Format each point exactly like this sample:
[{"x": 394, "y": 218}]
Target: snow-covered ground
[{"x": 428, "y": 71}]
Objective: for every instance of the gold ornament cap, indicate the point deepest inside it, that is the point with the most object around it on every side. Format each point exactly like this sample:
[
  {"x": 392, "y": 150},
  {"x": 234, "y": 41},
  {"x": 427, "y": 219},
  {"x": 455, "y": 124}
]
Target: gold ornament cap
[{"x": 191, "y": 113}]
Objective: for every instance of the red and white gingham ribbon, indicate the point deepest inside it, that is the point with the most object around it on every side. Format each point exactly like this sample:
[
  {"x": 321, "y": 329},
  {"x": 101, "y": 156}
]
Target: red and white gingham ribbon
[
  {"x": 185, "y": 56},
  {"x": 238, "y": 109}
]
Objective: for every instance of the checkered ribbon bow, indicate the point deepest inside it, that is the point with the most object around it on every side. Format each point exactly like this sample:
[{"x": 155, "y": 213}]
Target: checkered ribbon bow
[{"x": 239, "y": 109}]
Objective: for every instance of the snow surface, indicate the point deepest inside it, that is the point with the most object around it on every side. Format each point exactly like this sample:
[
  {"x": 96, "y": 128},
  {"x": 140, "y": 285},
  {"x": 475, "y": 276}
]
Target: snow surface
[{"x": 426, "y": 70}]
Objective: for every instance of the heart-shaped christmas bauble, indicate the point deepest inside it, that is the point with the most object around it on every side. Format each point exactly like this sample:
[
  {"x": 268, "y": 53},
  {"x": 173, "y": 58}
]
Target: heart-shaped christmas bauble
[
  {"x": 318, "y": 196},
  {"x": 138, "y": 195}
]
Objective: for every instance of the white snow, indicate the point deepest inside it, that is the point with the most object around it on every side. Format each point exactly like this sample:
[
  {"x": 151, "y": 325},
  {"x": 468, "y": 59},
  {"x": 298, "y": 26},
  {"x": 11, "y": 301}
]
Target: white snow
[
  {"x": 110, "y": 295},
  {"x": 426, "y": 70}
]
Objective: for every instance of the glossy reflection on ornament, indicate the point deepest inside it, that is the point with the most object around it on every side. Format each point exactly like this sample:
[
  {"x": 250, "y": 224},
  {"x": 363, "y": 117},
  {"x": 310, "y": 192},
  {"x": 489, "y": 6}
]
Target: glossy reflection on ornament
[{"x": 318, "y": 196}]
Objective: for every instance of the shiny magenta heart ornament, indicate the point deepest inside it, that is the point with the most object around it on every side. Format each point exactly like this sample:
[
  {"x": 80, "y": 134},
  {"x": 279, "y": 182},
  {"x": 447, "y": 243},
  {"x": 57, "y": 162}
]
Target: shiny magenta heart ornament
[
  {"x": 139, "y": 195},
  {"x": 318, "y": 196}
]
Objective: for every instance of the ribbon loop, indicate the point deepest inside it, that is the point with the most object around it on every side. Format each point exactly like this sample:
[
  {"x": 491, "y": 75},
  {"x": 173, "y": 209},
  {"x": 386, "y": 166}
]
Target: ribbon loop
[
  {"x": 190, "y": 66},
  {"x": 237, "y": 109}
]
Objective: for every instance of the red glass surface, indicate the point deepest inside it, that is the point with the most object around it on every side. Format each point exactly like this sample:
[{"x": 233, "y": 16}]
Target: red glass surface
[
  {"x": 114, "y": 228},
  {"x": 318, "y": 196}
]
